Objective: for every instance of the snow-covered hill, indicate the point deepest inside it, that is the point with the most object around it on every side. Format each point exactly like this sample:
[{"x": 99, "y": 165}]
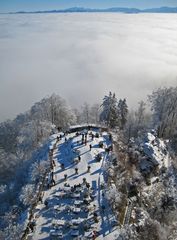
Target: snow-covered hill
[{"x": 73, "y": 204}]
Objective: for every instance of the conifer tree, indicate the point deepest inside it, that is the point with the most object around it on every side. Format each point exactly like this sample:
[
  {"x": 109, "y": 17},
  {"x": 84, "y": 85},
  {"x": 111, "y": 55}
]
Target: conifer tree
[
  {"x": 123, "y": 112},
  {"x": 109, "y": 114}
]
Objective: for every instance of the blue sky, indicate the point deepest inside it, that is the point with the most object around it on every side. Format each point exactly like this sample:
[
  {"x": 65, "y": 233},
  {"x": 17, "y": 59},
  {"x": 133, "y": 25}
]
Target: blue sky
[{"x": 30, "y": 5}]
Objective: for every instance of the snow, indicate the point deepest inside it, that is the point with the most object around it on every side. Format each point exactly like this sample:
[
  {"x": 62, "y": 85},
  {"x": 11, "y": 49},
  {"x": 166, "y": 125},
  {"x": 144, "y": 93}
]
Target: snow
[
  {"x": 67, "y": 211},
  {"x": 155, "y": 149}
]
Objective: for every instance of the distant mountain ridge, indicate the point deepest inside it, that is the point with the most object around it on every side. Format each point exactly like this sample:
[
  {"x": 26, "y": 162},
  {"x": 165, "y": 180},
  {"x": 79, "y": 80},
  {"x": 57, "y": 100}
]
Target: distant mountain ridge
[{"x": 113, "y": 9}]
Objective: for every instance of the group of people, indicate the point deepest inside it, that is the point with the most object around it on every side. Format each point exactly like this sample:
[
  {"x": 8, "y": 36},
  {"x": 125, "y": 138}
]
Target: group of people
[
  {"x": 84, "y": 138},
  {"x": 50, "y": 180}
]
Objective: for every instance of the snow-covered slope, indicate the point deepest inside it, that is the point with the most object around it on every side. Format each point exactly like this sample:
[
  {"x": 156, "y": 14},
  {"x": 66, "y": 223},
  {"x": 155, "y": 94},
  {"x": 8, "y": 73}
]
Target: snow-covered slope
[{"x": 74, "y": 210}]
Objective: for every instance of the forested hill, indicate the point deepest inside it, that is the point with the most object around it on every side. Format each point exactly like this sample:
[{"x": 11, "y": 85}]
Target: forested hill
[{"x": 25, "y": 141}]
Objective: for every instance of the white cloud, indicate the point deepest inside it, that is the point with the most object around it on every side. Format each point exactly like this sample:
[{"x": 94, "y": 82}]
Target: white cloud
[{"x": 83, "y": 56}]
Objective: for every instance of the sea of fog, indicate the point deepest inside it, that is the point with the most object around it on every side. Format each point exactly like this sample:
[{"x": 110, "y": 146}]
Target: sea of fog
[{"x": 82, "y": 56}]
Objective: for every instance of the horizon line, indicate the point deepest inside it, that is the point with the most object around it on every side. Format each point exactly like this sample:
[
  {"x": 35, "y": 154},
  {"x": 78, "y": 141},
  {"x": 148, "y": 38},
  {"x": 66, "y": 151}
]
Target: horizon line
[{"x": 85, "y": 9}]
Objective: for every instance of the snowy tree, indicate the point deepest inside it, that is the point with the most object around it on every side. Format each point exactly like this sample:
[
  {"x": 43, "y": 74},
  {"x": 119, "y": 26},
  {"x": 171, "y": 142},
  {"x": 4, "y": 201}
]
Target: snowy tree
[
  {"x": 8, "y": 134},
  {"x": 31, "y": 135},
  {"x": 87, "y": 113},
  {"x": 126, "y": 233},
  {"x": 11, "y": 230},
  {"x": 138, "y": 122},
  {"x": 164, "y": 107},
  {"x": 113, "y": 116},
  {"x": 27, "y": 194},
  {"x": 39, "y": 170},
  {"x": 114, "y": 197},
  {"x": 109, "y": 114},
  {"x": 152, "y": 230},
  {"x": 53, "y": 109},
  {"x": 122, "y": 112},
  {"x": 8, "y": 163}
]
